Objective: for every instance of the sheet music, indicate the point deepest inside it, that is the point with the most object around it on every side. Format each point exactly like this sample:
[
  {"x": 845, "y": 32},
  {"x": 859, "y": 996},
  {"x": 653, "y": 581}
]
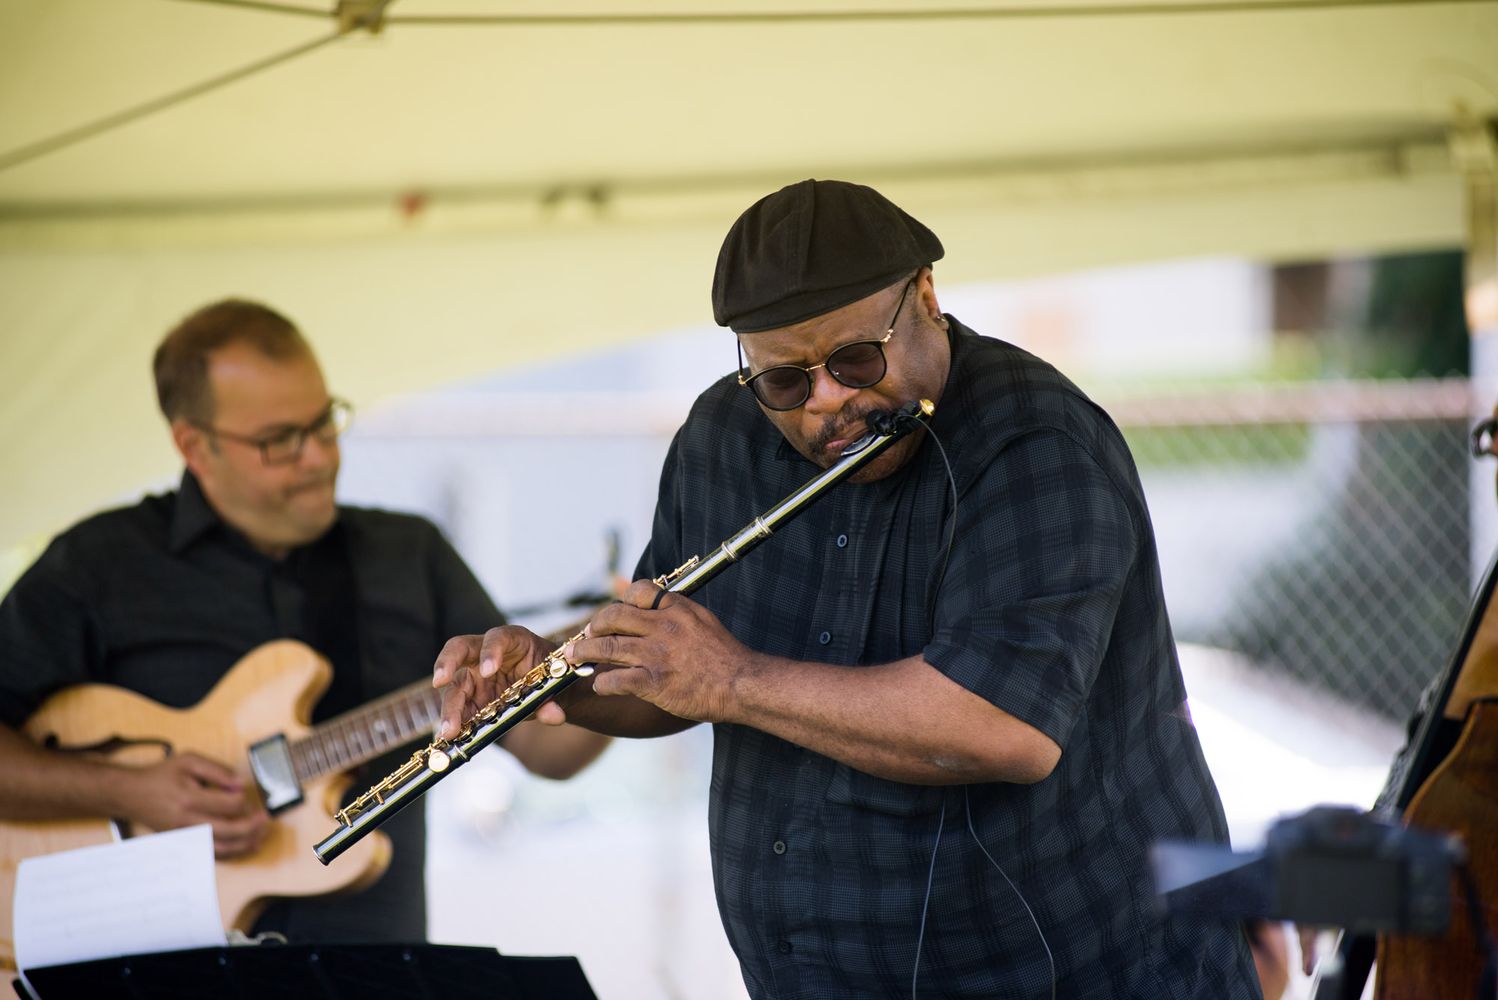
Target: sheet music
[{"x": 151, "y": 893}]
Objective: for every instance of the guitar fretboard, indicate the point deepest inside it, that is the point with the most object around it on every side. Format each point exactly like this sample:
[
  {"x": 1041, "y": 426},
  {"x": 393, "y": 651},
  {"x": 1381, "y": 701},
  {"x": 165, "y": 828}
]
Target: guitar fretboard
[
  {"x": 362, "y": 734},
  {"x": 348, "y": 740}
]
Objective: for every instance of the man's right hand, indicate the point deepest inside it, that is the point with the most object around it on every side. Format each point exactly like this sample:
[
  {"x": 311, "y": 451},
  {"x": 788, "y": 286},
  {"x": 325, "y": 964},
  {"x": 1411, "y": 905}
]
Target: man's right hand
[
  {"x": 472, "y": 670},
  {"x": 184, "y": 790}
]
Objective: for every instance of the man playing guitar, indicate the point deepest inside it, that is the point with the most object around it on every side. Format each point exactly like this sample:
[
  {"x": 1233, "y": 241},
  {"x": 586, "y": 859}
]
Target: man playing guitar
[{"x": 164, "y": 597}]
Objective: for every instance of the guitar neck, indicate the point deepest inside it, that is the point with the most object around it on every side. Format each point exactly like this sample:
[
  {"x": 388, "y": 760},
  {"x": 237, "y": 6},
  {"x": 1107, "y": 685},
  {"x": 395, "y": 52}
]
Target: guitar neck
[{"x": 364, "y": 733}]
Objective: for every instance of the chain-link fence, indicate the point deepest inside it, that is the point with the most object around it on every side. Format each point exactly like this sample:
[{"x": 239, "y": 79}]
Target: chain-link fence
[{"x": 1322, "y": 529}]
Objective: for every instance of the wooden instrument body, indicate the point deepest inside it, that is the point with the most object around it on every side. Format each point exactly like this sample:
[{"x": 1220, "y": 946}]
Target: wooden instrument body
[
  {"x": 1452, "y": 791},
  {"x": 271, "y": 690},
  {"x": 1460, "y": 796}
]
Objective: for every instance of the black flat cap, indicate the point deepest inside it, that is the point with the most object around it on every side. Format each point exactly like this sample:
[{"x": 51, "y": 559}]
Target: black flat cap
[{"x": 810, "y": 248}]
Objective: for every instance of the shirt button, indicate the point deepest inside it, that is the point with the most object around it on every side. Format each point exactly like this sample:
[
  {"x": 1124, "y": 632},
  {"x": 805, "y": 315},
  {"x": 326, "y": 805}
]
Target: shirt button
[
  {"x": 825, "y": 638},
  {"x": 784, "y": 947},
  {"x": 778, "y": 847},
  {"x": 842, "y": 541}
]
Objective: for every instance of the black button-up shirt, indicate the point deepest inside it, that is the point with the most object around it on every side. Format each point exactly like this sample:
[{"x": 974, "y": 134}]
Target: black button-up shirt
[
  {"x": 163, "y": 598},
  {"x": 1050, "y": 607}
]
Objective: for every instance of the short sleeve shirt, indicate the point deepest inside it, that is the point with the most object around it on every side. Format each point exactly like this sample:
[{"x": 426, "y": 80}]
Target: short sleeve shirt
[
  {"x": 163, "y": 598},
  {"x": 1048, "y": 604}
]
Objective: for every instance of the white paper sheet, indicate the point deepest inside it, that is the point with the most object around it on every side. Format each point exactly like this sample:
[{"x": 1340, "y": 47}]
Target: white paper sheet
[{"x": 150, "y": 893}]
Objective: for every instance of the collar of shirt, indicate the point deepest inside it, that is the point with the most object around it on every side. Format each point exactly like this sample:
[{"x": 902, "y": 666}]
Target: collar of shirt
[
  {"x": 193, "y": 518},
  {"x": 191, "y": 515}
]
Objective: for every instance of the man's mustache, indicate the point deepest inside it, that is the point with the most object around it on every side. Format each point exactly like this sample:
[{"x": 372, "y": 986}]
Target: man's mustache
[{"x": 840, "y": 428}]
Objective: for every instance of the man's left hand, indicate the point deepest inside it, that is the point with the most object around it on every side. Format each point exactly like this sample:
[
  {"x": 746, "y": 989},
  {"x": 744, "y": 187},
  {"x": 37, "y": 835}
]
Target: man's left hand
[{"x": 667, "y": 650}]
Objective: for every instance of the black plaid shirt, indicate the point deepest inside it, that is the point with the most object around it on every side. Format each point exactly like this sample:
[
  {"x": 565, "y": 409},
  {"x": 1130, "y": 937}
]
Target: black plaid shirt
[{"x": 1051, "y": 608}]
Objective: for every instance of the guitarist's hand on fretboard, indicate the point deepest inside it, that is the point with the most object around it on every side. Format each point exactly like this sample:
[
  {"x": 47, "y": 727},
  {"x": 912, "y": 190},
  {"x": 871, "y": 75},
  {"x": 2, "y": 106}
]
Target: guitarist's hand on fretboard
[{"x": 186, "y": 789}]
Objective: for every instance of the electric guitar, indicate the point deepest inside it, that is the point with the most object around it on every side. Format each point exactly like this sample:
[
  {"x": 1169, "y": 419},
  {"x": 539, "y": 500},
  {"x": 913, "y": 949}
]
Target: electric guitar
[{"x": 254, "y": 721}]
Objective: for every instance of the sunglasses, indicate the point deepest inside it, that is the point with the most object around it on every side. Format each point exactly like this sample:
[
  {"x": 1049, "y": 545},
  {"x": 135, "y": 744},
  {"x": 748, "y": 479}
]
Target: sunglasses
[{"x": 857, "y": 365}]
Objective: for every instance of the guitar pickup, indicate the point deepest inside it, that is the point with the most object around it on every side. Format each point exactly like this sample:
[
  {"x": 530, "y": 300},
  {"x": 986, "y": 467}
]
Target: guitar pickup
[{"x": 270, "y": 763}]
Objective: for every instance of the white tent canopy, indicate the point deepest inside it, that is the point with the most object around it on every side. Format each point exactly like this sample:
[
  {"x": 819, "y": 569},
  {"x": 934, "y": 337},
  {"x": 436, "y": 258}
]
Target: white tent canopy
[{"x": 481, "y": 184}]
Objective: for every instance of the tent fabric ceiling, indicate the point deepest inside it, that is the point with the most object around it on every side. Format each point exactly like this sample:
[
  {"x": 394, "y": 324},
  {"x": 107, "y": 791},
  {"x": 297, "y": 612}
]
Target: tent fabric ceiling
[
  {"x": 465, "y": 182},
  {"x": 668, "y": 105}
]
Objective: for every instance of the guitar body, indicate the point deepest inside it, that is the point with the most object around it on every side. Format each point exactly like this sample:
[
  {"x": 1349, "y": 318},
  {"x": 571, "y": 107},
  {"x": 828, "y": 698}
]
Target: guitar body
[{"x": 271, "y": 690}]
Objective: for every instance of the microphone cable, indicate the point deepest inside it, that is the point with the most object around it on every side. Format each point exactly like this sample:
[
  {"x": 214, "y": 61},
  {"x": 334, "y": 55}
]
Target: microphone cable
[
  {"x": 941, "y": 573},
  {"x": 920, "y": 938},
  {"x": 885, "y": 422},
  {"x": 915, "y": 972},
  {"x": 946, "y": 549},
  {"x": 882, "y": 422},
  {"x": 1051, "y": 959}
]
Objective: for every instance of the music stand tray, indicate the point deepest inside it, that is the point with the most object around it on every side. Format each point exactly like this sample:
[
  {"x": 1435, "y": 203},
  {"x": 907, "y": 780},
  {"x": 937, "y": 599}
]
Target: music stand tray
[{"x": 317, "y": 972}]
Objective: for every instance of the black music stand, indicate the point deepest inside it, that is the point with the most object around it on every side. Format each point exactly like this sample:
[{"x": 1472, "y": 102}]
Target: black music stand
[{"x": 317, "y": 972}]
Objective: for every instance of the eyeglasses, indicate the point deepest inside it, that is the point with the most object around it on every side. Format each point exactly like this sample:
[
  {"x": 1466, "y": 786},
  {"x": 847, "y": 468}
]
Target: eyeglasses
[
  {"x": 857, "y": 365},
  {"x": 285, "y": 446},
  {"x": 1482, "y": 438}
]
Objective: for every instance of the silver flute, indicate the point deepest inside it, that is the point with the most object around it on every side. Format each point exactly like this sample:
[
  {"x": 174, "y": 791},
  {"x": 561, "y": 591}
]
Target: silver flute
[{"x": 554, "y": 674}]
